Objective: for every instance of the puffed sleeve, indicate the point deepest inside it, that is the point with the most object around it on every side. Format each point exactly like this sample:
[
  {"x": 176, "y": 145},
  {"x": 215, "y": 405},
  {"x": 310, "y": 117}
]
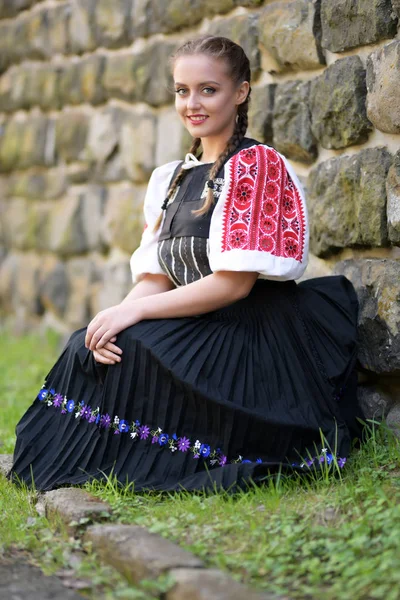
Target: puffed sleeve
[
  {"x": 260, "y": 221},
  {"x": 145, "y": 260}
]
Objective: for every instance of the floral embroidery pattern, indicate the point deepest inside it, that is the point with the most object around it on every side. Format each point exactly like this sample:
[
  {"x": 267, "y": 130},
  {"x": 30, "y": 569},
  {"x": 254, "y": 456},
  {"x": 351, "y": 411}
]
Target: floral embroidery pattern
[
  {"x": 138, "y": 431},
  {"x": 264, "y": 209}
]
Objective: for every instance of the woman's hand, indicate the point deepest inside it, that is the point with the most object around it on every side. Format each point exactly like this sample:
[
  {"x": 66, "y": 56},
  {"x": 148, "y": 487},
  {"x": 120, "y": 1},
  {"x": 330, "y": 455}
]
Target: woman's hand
[
  {"x": 108, "y": 323},
  {"x": 109, "y": 354}
]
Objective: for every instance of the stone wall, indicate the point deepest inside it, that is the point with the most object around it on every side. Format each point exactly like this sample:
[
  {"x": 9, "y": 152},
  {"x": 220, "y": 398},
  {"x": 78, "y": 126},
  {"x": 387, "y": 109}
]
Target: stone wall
[{"x": 86, "y": 113}]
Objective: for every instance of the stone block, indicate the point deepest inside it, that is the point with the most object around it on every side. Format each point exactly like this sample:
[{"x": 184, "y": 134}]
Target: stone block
[
  {"x": 112, "y": 22},
  {"x": 26, "y": 302},
  {"x": 8, "y": 275},
  {"x": 123, "y": 223},
  {"x": 243, "y": 30},
  {"x": 261, "y": 112},
  {"x": 137, "y": 141},
  {"x": 337, "y": 103},
  {"x": 292, "y": 134},
  {"x": 396, "y": 7},
  {"x": 151, "y": 16},
  {"x": 43, "y": 87},
  {"x": 347, "y": 201},
  {"x": 11, "y": 8},
  {"x": 393, "y": 201},
  {"x": 81, "y": 274},
  {"x": 74, "y": 225},
  {"x": 376, "y": 282},
  {"x": 71, "y": 132},
  {"x": 38, "y": 184},
  {"x": 151, "y": 73},
  {"x": 36, "y": 35},
  {"x": 374, "y": 402},
  {"x": 90, "y": 73},
  {"x": 112, "y": 282},
  {"x": 118, "y": 80},
  {"x": 23, "y": 143},
  {"x": 204, "y": 584},
  {"x": 74, "y": 504},
  {"x": 393, "y": 420},
  {"x": 8, "y": 55},
  {"x": 136, "y": 552},
  {"x": 383, "y": 80},
  {"x": 69, "y": 85},
  {"x": 289, "y": 36},
  {"x": 169, "y": 137},
  {"x": 20, "y": 219},
  {"x": 103, "y": 135},
  {"x": 54, "y": 287},
  {"x": 57, "y": 19},
  {"x": 6, "y": 461},
  {"x": 82, "y": 28},
  {"x": 367, "y": 22}
]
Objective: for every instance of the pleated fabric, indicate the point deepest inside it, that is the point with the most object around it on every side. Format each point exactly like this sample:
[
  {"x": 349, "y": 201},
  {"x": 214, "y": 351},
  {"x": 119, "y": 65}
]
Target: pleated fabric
[{"x": 204, "y": 402}]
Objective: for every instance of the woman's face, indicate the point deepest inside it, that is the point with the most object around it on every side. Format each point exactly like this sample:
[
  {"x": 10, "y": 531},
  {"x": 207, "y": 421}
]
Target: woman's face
[{"x": 206, "y": 98}]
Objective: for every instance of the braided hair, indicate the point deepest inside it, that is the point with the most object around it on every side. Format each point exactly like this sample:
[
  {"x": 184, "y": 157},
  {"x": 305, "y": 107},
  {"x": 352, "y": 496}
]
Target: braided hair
[{"x": 220, "y": 48}]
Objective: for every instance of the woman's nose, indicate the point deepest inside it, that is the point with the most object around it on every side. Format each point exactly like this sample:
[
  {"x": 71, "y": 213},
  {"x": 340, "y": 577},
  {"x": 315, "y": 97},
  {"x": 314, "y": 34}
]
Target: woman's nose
[{"x": 193, "y": 101}]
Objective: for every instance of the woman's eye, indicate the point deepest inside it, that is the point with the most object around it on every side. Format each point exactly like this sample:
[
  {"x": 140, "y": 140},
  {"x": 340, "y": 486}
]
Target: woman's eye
[
  {"x": 180, "y": 91},
  {"x": 209, "y": 90}
]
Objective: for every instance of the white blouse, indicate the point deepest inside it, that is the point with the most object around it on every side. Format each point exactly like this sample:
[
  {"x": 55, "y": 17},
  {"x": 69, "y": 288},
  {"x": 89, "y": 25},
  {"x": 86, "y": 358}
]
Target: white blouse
[{"x": 259, "y": 223}]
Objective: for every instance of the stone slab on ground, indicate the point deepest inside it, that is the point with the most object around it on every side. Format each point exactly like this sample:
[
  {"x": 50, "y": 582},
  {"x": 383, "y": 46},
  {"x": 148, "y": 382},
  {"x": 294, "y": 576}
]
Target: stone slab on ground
[
  {"x": 204, "y": 584},
  {"x": 20, "y": 581},
  {"x": 74, "y": 504},
  {"x": 5, "y": 463},
  {"x": 137, "y": 553}
]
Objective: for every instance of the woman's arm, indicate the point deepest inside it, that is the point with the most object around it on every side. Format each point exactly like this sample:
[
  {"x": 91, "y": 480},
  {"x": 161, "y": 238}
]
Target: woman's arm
[
  {"x": 149, "y": 286},
  {"x": 205, "y": 295}
]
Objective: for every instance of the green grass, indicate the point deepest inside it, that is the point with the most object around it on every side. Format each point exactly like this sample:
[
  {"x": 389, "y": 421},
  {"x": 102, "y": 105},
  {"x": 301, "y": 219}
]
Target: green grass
[{"x": 330, "y": 537}]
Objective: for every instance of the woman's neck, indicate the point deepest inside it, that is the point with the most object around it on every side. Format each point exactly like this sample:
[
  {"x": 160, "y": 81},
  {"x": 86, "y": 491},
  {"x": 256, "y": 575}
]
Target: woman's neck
[{"x": 213, "y": 148}]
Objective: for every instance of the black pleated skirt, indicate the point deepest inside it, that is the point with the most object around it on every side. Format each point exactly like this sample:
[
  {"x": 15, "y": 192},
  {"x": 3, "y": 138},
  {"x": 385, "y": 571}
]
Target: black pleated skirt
[{"x": 214, "y": 401}]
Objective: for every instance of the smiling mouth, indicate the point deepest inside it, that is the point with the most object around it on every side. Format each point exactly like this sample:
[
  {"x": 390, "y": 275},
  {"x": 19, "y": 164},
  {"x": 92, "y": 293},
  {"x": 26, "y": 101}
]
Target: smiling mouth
[{"x": 196, "y": 119}]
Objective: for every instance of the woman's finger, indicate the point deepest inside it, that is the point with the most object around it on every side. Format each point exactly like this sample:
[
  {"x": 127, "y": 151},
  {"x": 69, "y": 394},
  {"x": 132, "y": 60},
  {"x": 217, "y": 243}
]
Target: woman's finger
[
  {"x": 113, "y": 348},
  {"x": 109, "y": 354},
  {"x": 102, "y": 359},
  {"x": 97, "y": 336}
]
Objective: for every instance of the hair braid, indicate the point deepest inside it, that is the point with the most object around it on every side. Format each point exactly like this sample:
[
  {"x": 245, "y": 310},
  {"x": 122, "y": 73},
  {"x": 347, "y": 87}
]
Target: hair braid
[{"x": 176, "y": 182}]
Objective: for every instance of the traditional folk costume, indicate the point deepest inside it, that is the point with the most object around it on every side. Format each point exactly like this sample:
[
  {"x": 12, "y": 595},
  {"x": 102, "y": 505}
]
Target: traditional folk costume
[{"x": 220, "y": 399}]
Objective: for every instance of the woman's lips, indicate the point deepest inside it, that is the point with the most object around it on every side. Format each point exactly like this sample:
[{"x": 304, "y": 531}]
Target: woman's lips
[{"x": 197, "y": 119}]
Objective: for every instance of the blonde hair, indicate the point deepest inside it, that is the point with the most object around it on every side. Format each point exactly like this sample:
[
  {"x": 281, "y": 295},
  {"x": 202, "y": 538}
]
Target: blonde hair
[{"x": 239, "y": 65}]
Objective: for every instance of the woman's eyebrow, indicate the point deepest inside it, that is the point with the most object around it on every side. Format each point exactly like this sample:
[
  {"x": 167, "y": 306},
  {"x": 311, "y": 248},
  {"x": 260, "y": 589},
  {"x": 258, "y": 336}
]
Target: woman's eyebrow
[{"x": 202, "y": 83}]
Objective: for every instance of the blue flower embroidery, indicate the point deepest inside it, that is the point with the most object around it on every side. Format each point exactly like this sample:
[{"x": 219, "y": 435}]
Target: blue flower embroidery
[
  {"x": 123, "y": 426},
  {"x": 205, "y": 450},
  {"x": 163, "y": 439},
  {"x": 70, "y": 406},
  {"x": 42, "y": 395}
]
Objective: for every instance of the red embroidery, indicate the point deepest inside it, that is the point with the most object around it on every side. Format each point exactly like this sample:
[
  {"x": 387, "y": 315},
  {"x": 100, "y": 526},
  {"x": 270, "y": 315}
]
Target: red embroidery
[{"x": 264, "y": 209}]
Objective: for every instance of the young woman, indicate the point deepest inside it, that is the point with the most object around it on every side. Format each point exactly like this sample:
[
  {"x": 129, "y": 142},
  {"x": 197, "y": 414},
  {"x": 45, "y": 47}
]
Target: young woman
[{"x": 217, "y": 368}]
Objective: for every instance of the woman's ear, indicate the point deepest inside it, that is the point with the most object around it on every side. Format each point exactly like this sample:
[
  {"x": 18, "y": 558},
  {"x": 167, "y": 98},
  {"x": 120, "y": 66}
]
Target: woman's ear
[{"x": 242, "y": 92}]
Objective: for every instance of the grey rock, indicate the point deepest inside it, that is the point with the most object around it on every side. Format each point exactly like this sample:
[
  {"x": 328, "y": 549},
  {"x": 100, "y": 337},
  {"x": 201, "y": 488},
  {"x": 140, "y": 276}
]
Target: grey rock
[
  {"x": 82, "y": 28},
  {"x": 112, "y": 22},
  {"x": 291, "y": 125},
  {"x": 23, "y": 143},
  {"x": 151, "y": 16},
  {"x": 136, "y": 552},
  {"x": 38, "y": 184},
  {"x": 204, "y": 584},
  {"x": 243, "y": 30},
  {"x": 6, "y": 461},
  {"x": 393, "y": 420},
  {"x": 57, "y": 21},
  {"x": 151, "y": 73},
  {"x": 122, "y": 225},
  {"x": 367, "y": 21},
  {"x": 393, "y": 201},
  {"x": 72, "y": 505},
  {"x": 376, "y": 284},
  {"x": 71, "y": 134},
  {"x": 21, "y": 581},
  {"x": 347, "y": 201},
  {"x": 11, "y": 8},
  {"x": 137, "y": 142},
  {"x": 8, "y": 55},
  {"x": 337, "y": 104},
  {"x": 261, "y": 112},
  {"x": 81, "y": 274},
  {"x": 170, "y": 136},
  {"x": 374, "y": 402},
  {"x": 113, "y": 281},
  {"x": 383, "y": 77},
  {"x": 54, "y": 287},
  {"x": 396, "y": 7},
  {"x": 103, "y": 135},
  {"x": 289, "y": 34},
  {"x": 118, "y": 80}
]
